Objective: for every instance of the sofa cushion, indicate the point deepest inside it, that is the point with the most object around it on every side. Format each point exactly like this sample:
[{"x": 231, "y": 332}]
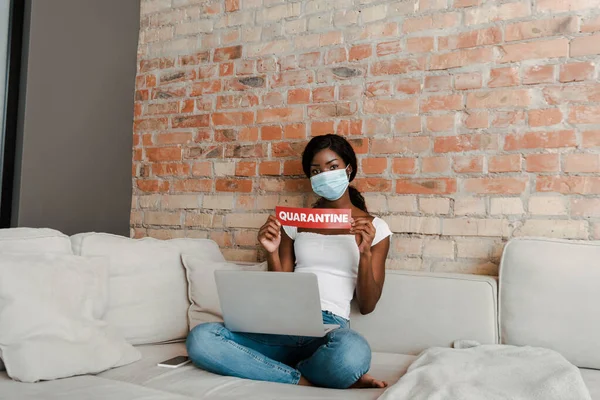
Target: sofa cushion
[
  {"x": 193, "y": 382},
  {"x": 420, "y": 310},
  {"x": 34, "y": 240},
  {"x": 147, "y": 286},
  {"x": 202, "y": 287},
  {"x": 549, "y": 297},
  {"x": 47, "y": 325}
]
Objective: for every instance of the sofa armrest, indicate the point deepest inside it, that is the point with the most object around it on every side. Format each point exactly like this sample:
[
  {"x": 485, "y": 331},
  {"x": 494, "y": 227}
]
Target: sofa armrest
[{"x": 418, "y": 310}]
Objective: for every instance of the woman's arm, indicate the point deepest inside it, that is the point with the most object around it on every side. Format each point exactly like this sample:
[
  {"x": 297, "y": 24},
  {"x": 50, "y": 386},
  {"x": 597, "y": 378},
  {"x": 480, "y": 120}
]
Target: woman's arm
[
  {"x": 371, "y": 267},
  {"x": 284, "y": 259}
]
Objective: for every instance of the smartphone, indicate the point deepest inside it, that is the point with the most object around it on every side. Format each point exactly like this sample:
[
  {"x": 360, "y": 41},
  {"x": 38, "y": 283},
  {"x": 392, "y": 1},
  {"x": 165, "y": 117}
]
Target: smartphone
[{"x": 175, "y": 362}]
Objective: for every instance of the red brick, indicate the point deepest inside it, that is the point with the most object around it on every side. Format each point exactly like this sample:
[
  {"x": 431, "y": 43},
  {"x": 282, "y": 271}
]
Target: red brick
[
  {"x": 202, "y": 168},
  {"x": 269, "y": 168},
  {"x": 466, "y": 164},
  {"x": 467, "y": 81},
  {"x": 439, "y": 83},
  {"x": 369, "y": 185},
  {"x": 193, "y": 185},
  {"x": 307, "y": 60},
  {"x": 225, "y": 135},
  {"x": 426, "y": 186},
  {"x": 248, "y": 134},
  {"x": 227, "y": 53},
  {"x": 171, "y": 169},
  {"x": 540, "y": 140},
  {"x": 271, "y": 185},
  {"x": 163, "y": 154},
  {"x": 232, "y": 5},
  {"x": 505, "y": 163},
  {"x": 477, "y": 120},
  {"x": 569, "y": 184},
  {"x": 502, "y": 186},
  {"x": 568, "y": 94},
  {"x": 287, "y": 149},
  {"x": 162, "y": 108},
  {"x": 295, "y": 131},
  {"x": 147, "y": 139},
  {"x": 323, "y": 94},
  {"x": 233, "y": 118},
  {"x": 554, "y": 48},
  {"x": 226, "y": 69},
  {"x": 440, "y": 123},
  {"x": 271, "y": 132},
  {"x": 374, "y": 165},
  {"x": 590, "y": 139},
  {"x": 142, "y": 95},
  {"x": 460, "y": 143},
  {"x": 408, "y": 86},
  {"x": 245, "y": 168},
  {"x": 233, "y": 185},
  {"x": 241, "y": 100},
  {"x": 297, "y": 185},
  {"x": 466, "y": 3},
  {"x": 422, "y": 44},
  {"x": 156, "y": 63},
  {"x": 192, "y": 121},
  {"x": 150, "y": 124},
  {"x": 542, "y": 162},
  {"x": 499, "y": 98},
  {"x": 591, "y": 24},
  {"x": 397, "y": 145},
  {"x": 360, "y": 146},
  {"x": 174, "y": 138},
  {"x": 397, "y": 66},
  {"x": 584, "y": 115},
  {"x": 293, "y": 167},
  {"x": 377, "y": 126},
  {"x": 279, "y": 115},
  {"x": 338, "y": 109},
  {"x": 435, "y": 21},
  {"x": 335, "y": 56},
  {"x": 407, "y": 124},
  {"x": 574, "y": 72},
  {"x": 350, "y": 92},
  {"x": 378, "y": 88},
  {"x": 166, "y": 92},
  {"x": 481, "y": 37},
  {"x": 540, "y": 28},
  {"x": 538, "y": 74},
  {"x": 360, "y": 52},
  {"x": 298, "y": 96},
  {"x": 501, "y": 77},
  {"x": 545, "y": 117},
  {"x": 403, "y": 166},
  {"x": 207, "y": 71},
  {"x": 566, "y": 5},
  {"x": 387, "y": 48},
  {"x": 391, "y": 106},
  {"x": 152, "y": 186},
  {"x": 349, "y": 127},
  {"x": 439, "y": 165},
  {"x": 581, "y": 163},
  {"x": 585, "y": 45},
  {"x": 177, "y": 76},
  {"x": 442, "y": 103},
  {"x": 292, "y": 78},
  {"x": 319, "y": 128},
  {"x": 461, "y": 58},
  {"x": 187, "y": 106}
]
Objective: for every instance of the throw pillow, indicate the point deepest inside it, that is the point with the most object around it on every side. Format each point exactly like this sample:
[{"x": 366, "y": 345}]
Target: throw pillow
[
  {"x": 48, "y": 326},
  {"x": 202, "y": 288}
]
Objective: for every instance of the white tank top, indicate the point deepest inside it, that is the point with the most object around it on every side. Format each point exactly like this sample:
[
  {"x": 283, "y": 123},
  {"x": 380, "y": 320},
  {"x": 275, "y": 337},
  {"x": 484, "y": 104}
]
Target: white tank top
[{"x": 334, "y": 260}]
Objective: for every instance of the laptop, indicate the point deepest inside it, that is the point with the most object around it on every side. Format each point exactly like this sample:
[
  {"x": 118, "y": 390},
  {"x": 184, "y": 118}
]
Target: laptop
[{"x": 276, "y": 303}]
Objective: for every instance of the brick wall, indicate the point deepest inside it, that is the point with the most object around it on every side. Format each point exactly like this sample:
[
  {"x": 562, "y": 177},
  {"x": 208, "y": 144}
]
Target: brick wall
[{"x": 474, "y": 121}]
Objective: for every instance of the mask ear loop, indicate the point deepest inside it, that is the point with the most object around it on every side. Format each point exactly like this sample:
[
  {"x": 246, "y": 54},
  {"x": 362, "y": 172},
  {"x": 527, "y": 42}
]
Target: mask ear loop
[{"x": 348, "y": 173}]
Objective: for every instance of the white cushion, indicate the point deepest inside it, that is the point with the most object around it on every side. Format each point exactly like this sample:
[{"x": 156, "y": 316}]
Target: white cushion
[
  {"x": 147, "y": 288},
  {"x": 419, "y": 310},
  {"x": 202, "y": 287},
  {"x": 47, "y": 324},
  {"x": 34, "y": 240},
  {"x": 549, "y": 297}
]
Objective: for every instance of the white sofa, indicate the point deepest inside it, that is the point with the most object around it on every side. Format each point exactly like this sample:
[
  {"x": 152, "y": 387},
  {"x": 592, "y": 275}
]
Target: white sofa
[{"x": 548, "y": 297}]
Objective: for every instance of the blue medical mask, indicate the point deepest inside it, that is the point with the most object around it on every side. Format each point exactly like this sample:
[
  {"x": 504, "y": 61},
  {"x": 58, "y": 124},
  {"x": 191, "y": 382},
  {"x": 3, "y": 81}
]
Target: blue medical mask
[{"x": 330, "y": 185}]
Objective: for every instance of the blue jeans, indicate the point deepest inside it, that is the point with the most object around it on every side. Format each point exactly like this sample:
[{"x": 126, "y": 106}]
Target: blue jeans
[{"x": 336, "y": 360}]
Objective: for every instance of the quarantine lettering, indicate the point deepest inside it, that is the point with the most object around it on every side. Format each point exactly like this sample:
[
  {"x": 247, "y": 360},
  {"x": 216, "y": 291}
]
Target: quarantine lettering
[{"x": 314, "y": 217}]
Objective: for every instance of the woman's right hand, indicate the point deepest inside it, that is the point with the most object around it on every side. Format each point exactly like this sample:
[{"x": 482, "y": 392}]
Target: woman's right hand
[{"x": 269, "y": 235}]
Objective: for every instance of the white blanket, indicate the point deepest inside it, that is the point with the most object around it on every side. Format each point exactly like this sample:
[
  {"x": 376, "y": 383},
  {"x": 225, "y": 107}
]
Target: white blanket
[{"x": 489, "y": 372}]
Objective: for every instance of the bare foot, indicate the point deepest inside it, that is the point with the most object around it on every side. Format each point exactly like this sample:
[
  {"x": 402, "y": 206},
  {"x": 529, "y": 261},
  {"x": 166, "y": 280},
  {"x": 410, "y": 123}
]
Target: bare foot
[
  {"x": 368, "y": 382},
  {"x": 304, "y": 382}
]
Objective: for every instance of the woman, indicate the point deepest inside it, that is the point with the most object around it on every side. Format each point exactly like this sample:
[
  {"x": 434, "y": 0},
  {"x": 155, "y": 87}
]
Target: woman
[{"x": 346, "y": 263}]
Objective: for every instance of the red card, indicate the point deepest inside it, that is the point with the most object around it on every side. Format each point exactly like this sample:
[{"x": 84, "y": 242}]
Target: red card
[{"x": 317, "y": 218}]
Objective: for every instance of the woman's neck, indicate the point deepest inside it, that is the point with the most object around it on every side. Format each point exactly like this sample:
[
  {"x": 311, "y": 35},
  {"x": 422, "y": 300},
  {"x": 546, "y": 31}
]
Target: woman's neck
[{"x": 342, "y": 202}]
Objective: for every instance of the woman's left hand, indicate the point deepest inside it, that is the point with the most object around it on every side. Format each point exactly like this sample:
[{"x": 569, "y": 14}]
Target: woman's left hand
[{"x": 364, "y": 232}]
